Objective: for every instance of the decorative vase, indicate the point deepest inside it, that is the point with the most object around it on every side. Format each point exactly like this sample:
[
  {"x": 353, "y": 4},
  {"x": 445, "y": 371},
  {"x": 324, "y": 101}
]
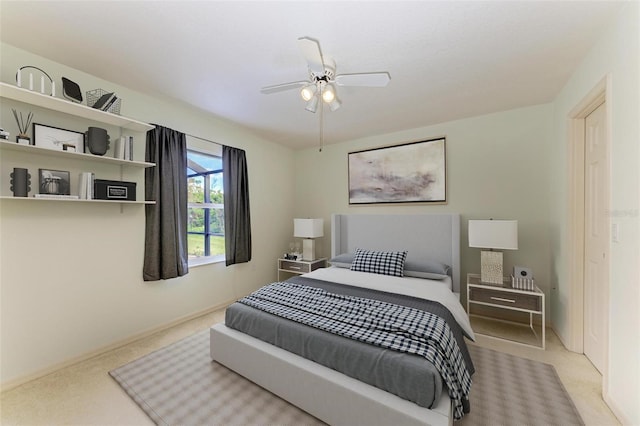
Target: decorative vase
[
  {"x": 97, "y": 140},
  {"x": 23, "y": 139},
  {"x": 20, "y": 181},
  {"x": 50, "y": 185}
]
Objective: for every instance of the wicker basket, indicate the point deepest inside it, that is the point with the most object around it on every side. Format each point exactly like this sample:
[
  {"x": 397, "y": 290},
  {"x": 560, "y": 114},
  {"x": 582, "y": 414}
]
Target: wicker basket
[{"x": 94, "y": 95}]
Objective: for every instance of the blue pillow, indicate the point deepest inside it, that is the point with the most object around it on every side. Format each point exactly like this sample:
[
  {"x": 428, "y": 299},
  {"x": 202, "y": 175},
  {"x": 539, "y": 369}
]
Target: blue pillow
[{"x": 379, "y": 262}]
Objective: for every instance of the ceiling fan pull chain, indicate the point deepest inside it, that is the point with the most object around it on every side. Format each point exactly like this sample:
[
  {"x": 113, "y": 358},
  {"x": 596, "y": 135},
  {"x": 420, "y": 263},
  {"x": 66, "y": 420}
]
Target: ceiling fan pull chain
[{"x": 321, "y": 125}]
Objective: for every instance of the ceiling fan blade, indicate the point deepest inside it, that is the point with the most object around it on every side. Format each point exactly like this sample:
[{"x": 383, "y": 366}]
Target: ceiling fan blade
[
  {"x": 311, "y": 51},
  {"x": 372, "y": 79},
  {"x": 282, "y": 87}
]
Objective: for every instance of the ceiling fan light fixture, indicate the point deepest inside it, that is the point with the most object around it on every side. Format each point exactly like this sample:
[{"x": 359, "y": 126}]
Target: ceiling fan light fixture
[
  {"x": 335, "y": 104},
  {"x": 308, "y": 91},
  {"x": 312, "y": 105},
  {"x": 328, "y": 93}
]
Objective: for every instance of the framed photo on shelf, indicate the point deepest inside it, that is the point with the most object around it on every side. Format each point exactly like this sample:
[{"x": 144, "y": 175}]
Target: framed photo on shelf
[
  {"x": 57, "y": 139},
  {"x": 407, "y": 173},
  {"x": 54, "y": 182}
]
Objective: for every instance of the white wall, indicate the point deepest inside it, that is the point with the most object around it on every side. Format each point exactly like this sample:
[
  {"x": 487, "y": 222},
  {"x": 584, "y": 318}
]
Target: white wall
[
  {"x": 617, "y": 55},
  {"x": 71, "y": 274},
  {"x": 496, "y": 168},
  {"x": 505, "y": 165}
]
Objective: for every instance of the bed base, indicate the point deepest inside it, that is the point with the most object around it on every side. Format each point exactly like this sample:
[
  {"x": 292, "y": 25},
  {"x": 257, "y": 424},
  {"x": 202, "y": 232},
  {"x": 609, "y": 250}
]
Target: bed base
[{"x": 322, "y": 392}]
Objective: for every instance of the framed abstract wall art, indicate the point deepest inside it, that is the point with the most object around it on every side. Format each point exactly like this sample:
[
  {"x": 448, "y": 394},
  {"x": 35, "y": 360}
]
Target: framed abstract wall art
[
  {"x": 57, "y": 139},
  {"x": 407, "y": 173}
]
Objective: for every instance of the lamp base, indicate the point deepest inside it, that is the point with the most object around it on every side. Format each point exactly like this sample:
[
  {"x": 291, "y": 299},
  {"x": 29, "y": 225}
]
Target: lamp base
[
  {"x": 309, "y": 249},
  {"x": 491, "y": 267}
]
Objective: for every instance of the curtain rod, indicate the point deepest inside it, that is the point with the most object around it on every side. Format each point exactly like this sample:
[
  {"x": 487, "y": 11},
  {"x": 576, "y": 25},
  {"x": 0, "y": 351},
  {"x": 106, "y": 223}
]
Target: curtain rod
[
  {"x": 203, "y": 139},
  {"x": 209, "y": 140},
  {"x": 198, "y": 137}
]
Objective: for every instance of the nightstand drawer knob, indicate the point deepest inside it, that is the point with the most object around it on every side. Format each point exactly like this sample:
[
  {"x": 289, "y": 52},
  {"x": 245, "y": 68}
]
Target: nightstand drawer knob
[{"x": 502, "y": 299}]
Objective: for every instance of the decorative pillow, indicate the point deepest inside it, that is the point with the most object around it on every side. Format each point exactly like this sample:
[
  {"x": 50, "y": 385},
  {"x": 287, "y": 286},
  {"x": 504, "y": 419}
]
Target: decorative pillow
[
  {"x": 429, "y": 269},
  {"x": 343, "y": 260},
  {"x": 426, "y": 269},
  {"x": 379, "y": 262}
]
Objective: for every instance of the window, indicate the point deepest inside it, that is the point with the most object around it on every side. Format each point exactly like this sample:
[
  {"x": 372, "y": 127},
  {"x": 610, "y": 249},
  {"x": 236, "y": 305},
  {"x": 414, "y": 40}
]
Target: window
[{"x": 205, "y": 229}]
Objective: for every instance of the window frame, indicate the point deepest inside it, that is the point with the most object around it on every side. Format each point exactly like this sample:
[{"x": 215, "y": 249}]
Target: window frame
[{"x": 208, "y": 206}]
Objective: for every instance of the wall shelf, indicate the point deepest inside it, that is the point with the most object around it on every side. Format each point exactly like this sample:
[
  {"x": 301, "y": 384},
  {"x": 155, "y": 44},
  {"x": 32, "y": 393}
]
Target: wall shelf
[
  {"x": 73, "y": 200},
  {"x": 16, "y": 93},
  {"x": 32, "y": 149},
  {"x": 11, "y": 92}
]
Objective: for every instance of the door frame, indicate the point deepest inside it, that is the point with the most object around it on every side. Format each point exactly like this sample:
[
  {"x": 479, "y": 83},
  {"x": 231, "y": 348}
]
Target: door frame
[{"x": 600, "y": 93}]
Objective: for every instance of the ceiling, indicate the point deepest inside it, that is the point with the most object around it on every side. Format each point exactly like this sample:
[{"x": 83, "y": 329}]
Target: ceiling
[{"x": 447, "y": 60}]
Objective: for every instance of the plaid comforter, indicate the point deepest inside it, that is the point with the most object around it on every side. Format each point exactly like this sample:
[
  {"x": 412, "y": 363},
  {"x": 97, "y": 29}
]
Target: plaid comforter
[{"x": 379, "y": 323}]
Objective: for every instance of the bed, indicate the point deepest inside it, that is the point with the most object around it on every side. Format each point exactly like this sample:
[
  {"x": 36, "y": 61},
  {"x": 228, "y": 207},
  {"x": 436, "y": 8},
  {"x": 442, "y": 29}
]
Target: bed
[{"x": 291, "y": 364}]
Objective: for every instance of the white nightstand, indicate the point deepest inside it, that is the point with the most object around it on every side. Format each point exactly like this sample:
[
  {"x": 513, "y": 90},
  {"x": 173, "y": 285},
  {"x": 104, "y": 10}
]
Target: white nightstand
[
  {"x": 507, "y": 298},
  {"x": 299, "y": 267}
]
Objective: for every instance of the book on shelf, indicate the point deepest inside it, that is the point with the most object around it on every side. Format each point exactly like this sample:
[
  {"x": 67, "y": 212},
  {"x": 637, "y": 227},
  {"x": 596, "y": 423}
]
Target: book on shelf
[
  {"x": 130, "y": 148},
  {"x": 105, "y": 101},
  {"x": 124, "y": 148},
  {"x": 118, "y": 151},
  {"x": 57, "y": 196},
  {"x": 85, "y": 186},
  {"x": 110, "y": 102}
]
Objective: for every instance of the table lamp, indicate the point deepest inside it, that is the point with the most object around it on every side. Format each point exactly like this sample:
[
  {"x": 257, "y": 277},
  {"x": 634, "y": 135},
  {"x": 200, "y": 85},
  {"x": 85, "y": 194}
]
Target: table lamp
[
  {"x": 493, "y": 234},
  {"x": 308, "y": 229}
]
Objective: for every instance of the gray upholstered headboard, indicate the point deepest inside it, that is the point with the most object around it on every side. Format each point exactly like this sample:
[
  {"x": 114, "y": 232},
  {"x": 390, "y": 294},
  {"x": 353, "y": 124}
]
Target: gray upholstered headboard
[{"x": 424, "y": 236}]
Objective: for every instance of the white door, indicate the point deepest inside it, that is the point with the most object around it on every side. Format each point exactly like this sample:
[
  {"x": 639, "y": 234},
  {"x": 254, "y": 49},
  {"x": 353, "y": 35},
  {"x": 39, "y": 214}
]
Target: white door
[{"x": 596, "y": 265}]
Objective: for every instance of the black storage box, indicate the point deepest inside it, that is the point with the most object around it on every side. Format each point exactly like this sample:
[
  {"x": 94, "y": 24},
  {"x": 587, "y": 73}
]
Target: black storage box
[{"x": 114, "y": 190}]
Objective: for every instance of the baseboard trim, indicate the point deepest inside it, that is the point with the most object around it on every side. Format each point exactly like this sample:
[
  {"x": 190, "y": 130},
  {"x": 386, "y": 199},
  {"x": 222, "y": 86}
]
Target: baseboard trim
[
  {"x": 561, "y": 338},
  {"x": 11, "y": 384},
  {"x": 616, "y": 410}
]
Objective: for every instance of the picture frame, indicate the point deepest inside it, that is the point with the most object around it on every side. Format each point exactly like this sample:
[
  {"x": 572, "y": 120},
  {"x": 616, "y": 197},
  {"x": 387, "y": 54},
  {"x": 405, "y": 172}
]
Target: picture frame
[
  {"x": 58, "y": 139},
  {"x": 413, "y": 172},
  {"x": 55, "y": 182}
]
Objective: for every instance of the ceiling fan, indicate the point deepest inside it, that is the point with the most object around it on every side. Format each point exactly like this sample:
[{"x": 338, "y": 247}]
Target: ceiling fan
[{"x": 323, "y": 79}]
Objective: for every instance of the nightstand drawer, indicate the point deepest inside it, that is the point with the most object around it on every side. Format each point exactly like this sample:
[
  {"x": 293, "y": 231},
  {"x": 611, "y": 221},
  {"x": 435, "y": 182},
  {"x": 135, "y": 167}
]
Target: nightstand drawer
[
  {"x": 294, "y": 266},
  {"x": 505, "y": 298}
]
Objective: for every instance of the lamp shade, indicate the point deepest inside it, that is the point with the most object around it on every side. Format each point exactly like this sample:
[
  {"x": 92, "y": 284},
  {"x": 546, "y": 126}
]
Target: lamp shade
[
  {"x": 334, "y": 105},
  {"x": 308, "y": 91},
  {"x": 495, "y": 234},
  {"x": 312, "y": 105},
  {"x": 308, "y": 228},
  {"x": 328, "y": 93}
]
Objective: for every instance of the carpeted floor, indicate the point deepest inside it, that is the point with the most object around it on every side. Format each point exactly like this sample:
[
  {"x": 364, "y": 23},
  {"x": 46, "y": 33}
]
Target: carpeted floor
[{"x": 179, "y": 384}]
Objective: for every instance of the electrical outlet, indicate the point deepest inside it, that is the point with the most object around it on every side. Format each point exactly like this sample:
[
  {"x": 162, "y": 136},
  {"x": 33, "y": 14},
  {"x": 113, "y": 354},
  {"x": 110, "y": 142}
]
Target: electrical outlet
[{"x": 615, "y": 233}]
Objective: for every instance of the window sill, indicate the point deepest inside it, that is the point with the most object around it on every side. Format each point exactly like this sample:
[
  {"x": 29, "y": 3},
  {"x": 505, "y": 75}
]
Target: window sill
[{"x": 201, "y": 261}]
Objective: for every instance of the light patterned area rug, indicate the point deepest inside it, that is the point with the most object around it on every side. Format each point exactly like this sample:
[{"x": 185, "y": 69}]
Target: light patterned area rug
[
  {"x": 509, "y": 390},
  {"x": 180, "y": 385}
]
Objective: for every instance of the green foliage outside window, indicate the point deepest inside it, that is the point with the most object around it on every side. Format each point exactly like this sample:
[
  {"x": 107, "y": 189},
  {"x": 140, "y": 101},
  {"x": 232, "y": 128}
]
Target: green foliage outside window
[
  {"x": 196, "y": 215},
  {"x": 196, "y": 226}
]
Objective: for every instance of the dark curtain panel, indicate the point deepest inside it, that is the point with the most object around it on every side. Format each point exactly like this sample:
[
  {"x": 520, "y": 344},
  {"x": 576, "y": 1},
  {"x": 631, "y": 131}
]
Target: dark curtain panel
[
  {"x": 237, "y": 218},
  {"x": 165, "y": 254}
]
